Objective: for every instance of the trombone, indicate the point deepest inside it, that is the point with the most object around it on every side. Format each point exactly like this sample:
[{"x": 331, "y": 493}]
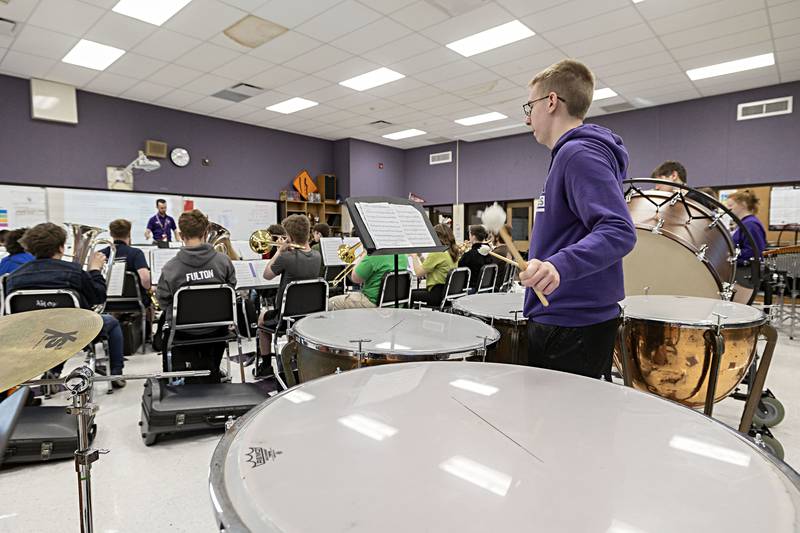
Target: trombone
[
  {"x": 261, "y": 241},
  {"x": 347, "y": 254}
]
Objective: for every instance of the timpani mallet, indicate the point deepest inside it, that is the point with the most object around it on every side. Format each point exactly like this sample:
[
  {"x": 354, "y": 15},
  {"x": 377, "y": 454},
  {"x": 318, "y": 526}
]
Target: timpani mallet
[{"x": 494, "y": 218}]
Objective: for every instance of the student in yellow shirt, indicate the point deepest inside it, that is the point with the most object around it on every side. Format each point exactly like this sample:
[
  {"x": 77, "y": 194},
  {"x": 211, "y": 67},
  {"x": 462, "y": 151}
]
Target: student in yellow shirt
[{"x": 435, "y": 268}]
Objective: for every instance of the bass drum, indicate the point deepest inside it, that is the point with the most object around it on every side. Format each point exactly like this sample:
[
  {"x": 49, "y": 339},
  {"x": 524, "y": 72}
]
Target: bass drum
[{"x": 682, "y": 247}]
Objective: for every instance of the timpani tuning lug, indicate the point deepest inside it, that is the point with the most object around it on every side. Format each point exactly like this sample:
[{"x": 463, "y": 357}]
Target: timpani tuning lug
[
  {"x": 701, "y": 254},
  {"x": 657, "y": 228}
]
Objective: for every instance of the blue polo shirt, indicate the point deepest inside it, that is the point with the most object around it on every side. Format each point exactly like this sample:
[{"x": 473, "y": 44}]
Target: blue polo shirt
[{"x": 161, "y": 226}]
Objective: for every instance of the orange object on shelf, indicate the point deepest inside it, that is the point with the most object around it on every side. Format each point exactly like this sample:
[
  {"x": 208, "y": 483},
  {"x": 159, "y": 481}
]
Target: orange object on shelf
[{"x": 304, "y": 184}]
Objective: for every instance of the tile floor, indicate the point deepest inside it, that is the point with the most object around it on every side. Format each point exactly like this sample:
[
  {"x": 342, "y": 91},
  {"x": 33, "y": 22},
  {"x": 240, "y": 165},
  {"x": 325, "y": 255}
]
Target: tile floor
[{"x": 164, "y": 487}]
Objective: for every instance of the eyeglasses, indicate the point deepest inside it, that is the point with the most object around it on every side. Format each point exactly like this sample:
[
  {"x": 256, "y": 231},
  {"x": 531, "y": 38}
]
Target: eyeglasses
[{"x": 528, "y": 107}]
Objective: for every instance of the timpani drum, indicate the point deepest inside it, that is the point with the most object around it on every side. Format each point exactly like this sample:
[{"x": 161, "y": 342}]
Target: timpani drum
[
  {"x": 670, "y": 343},
  {"x": 352, "y": 338},
  {"x": 504, "y": 312},
  {"x": 471, "y": 448}
]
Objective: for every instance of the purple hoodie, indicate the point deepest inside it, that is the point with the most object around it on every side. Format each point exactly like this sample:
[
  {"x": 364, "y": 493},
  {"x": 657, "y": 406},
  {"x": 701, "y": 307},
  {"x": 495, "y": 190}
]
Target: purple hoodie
[{"x": 584, "y": 229}]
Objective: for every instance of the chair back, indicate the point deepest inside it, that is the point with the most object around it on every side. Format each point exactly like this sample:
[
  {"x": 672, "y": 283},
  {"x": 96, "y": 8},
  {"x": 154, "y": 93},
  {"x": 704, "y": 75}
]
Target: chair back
[
  {"x": 3, "y": 294},
  {"x": 332, "y": 271},
  {"x": 487, "y": 278},
  {"x": 34, "y": 299},
  {"x": 303, "y": 297},
  {"x": 504, "y": 282},
  {"x": 456, "y": 286},
  {"x": 387, "y": 296},
  {"x": 201, "y": 306}
]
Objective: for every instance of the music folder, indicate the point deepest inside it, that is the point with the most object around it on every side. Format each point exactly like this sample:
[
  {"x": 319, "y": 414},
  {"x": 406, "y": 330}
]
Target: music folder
[{"x": 389, "y": 226}]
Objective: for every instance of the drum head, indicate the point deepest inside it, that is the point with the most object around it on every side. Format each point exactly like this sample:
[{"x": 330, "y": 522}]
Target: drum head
[
  {"x": 497, "y": 306},
  {"x": 472, "y": 447},
  {"x": 664, "y": 266},
  {"x": 691, "y": 311}
]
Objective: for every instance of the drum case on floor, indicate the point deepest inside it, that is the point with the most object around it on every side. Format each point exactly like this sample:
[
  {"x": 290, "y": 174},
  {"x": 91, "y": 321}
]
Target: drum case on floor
[
  {"x": 180, "y": 408},
  {"x": 44, "y": 433}
]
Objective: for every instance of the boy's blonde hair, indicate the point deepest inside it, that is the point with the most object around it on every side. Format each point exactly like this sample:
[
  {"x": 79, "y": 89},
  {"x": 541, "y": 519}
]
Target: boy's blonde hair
[{"x": 572, "y": 81}]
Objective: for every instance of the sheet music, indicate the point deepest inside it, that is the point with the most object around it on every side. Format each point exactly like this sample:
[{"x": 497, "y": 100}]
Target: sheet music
[
  {"x": 329, "y": 246},
  {"x": 117, "y": 279},
  {"x": 395, "y": 226},
  {"x": 249, "y": 274},
  {"x": 158, "y": 258}
]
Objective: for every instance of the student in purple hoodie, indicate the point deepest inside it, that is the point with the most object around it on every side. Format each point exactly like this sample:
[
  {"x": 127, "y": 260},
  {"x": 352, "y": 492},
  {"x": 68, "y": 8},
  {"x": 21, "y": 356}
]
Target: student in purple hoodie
[{"x": 582, "y": 232}]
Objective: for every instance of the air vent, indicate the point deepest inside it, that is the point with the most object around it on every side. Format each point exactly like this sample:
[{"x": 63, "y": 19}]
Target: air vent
[
  {"x": 239, "y": 92},
  {"x": 438, "y": 140},
  {"x": 617, "y": 108},
  {"x": 764, "y": 108},
  {"x": 380, "y": 124},
  {"x": 440, "y": 158}
]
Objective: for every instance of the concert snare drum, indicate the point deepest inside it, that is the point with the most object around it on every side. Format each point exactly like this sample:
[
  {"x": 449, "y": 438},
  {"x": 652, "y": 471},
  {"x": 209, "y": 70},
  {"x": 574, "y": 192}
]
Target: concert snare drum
[
  {"x": 670, "y": 343},
  {"x": 682, "y": 247},
  {"x": 352, "y": 338},
  {"x": 468, "y": 448},
  {"x": 504, "y": 312}
]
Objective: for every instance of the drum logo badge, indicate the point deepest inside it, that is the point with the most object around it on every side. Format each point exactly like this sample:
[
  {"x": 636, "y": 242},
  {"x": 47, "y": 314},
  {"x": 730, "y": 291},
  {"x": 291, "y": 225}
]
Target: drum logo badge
[
  {"x": 56, "y": 339},
  {"x": 261, "y": 456}
]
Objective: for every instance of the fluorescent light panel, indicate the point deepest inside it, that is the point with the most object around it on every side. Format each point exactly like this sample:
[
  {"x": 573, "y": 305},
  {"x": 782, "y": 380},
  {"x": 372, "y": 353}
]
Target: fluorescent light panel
[
  {"x": 368, "y": 427},
  {"x": 492, "y": 38},
  {"x": 602, "y": 94},
  {"x": 480, "y": 119},
  {"x": 405, "y": 134},
  {"x": 473, "y": 386},
  {"x": 730, "y": 67},
  {"x": 155, "y": 12},
  {"x": 292, "y": 105},
  {"x": 92, "y": 55},
  {"x": 374, "y": 78}
]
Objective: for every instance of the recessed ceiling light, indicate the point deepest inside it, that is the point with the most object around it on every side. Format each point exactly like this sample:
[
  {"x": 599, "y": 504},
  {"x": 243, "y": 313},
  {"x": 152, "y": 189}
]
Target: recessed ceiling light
[
  {"x": 292, "y": 105},
  {"x": 405, "y": 134},
  {"x": 92, "y": 55},
  {"x": 372, "y": 79},
  {"x": 480, "y": 119},
  {"x": 601, "y": 94},
  {"x": 729, "y": 67},
  {"x": 153, "y": 11},
  {"x": 496, "y": 37}
]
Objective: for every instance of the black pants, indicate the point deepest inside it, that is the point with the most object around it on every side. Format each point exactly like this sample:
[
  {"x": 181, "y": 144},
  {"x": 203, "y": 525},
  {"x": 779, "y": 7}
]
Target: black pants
[
  {"x": 430, "y": 298},
  {"x": 586, "y": 351}
]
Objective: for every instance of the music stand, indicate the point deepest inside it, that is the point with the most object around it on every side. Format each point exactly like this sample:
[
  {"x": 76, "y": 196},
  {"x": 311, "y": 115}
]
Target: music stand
[{"x": 391, "y": 226}]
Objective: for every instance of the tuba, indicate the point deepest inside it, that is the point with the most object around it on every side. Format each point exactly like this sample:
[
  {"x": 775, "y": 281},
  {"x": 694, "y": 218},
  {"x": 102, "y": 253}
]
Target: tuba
[
  {"x": 220, "y": 239},
  {"x": 84, "y": 244}
]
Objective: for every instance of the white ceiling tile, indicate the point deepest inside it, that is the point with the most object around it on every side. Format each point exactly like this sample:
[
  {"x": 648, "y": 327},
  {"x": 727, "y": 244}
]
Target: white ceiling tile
[
  {"x": 570, "y": 12},
  {"x": 243, "y": 67},
  {"x": 400, "y": 49},
  {"x": 477, "y": 20},
  {"x": 235, "y": 111},
  {"x": 26, "y": 65},
  {"x": 110, "y": 83},
  {"x": 44, "y": 43},
  {"x": 118, "y": 30},
  {"x": 787, "y": 56},
  {"x": 208, "y": 105},
  {"x": 782, "y": 43},
  {"x": 291, "y": 13},
  {"x": 785, "y": 28},
  {"x": 415, "y": 95},
  {"x": 166, "y": 45},
  {"x": 284, "y": 47},
  {"x": 208, "y": 84},
  {"x": 631, "y": 65},
  {"x": 373, "y": 109},
  {"x": 726, "y": 55},
  {"x": 599, "y": 25},
  {"x": 355, "y": 66},
  {"x": 331, "y": 92},
  {"x": 204, "y": 18},
  {"x": 18, "y": 11},
  {"x": 339, "y": 20},
  {"x": 174, "y": 76},
  {"x": 426, "y": 61},
  {"x": 245, "y": 5},
  {"x": 136, "y": 66},
  {"x": 733, "y": 25},
  {"x": 619, "y": 40},
  {"x": 702, "y": 15},
  {"x": 527, "y": 67},
  {"x": 316, "y": 113},
  {"x": 5, "y": 41},
  {"x": 654, "y": 10},
  {"x": 435, "y": 102},
  {"x": 784, "y": 12},
  {"x": 267, "y": 99},
  {"x": 655, "y": 85},
  {"x": 481, "y": 77},
  {"x": 719, "y": 44},
  {"x": 179, "y": 98},
  {"x": 625, "y": 53},
  {"x": 274, "y": 77},
  {"x": 739, "y": 82},
  {"x": 449, "y": 71},
  {"x": 224, "y": 41},
  {"x": 146, "y": 91},
  {"x": 337, "y": 116},
  {"x": 505, "y": 92},
  {"x": 352, "y": 100},
  {"x": 303, "y": 86},
  {"x": 373, "y": 35},
  {"x": 207, "y": 57},
  {"x": 645, "y": 73},
  {"x": 396, "y": 87},
  {"x": 65, "y": 16},
  {"x": 102, "y": 3},
  {"x": 520, "y": 50},
  {"x": 520, "y": 8},
  {"x": 389, "y": 6},
  {"x": 71, "y": 74},
  {"x": 317, "y": 59},
  {"x": 419, "y": 15}
]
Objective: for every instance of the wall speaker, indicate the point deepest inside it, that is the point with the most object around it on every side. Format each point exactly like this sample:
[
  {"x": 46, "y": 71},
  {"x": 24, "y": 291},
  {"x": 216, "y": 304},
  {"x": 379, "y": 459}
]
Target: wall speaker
[{"x": 155, "y": 149}]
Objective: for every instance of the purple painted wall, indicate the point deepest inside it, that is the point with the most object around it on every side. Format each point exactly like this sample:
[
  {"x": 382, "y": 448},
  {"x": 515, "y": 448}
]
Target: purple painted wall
[
  {"x": 341, "y": 167},
  {"x": 435, "y": 183},
  {"x": 247, "y": 161},
  {"x": 367, "y": 179}
]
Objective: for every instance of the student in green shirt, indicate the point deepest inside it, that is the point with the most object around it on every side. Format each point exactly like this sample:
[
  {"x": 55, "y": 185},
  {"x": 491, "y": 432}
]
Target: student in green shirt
[
  {"x": 368, "y": 272},
  {"x": 435, "y": 268}
]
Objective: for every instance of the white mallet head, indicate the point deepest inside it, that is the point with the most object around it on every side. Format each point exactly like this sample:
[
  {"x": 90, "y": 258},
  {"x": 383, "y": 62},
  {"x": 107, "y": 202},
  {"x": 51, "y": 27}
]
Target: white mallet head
[
  {"x": 484, "y": 250},
  {"x": 493, "y": 218}
]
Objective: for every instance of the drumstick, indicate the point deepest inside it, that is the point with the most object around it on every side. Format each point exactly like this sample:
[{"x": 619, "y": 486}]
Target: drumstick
[
  {"x": 484, "y": 250},
  {"x": 494, "y": 218}
]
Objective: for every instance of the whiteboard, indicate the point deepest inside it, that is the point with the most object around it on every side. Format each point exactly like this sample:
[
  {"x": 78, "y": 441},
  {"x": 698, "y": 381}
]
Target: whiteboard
[
  {"x": 98, "y": 208},
  {"x": 21, "y": 206},
  {"x": 240, "y": 217},
  {"x": 784, "y": 206}
]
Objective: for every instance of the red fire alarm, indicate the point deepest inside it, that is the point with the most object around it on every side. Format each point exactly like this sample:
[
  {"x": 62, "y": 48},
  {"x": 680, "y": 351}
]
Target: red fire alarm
[{"x": 380, "y": 166}]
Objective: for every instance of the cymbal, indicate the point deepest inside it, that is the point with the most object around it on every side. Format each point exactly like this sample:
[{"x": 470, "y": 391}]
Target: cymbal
[{"x": 35, "y": 341}]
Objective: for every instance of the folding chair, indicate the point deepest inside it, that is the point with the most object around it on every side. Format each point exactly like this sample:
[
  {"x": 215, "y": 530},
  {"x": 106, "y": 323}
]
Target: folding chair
[
  {"x": 387, "y": 296},
  {"x": 456, "y": 286},
  {"x": 204, "y": 314},
  {"x": 129, "y": 301},
  {"x": 507, "y": 279},
  {"x": 487, "y": 278},
  {"x": 3, "y": 294},
  {"x": 300, "y": 298}
]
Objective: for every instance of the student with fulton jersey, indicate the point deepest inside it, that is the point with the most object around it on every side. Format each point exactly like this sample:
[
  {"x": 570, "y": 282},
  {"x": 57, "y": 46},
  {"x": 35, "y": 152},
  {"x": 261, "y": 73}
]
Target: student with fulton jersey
[{"x": 583, "y": 231}]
